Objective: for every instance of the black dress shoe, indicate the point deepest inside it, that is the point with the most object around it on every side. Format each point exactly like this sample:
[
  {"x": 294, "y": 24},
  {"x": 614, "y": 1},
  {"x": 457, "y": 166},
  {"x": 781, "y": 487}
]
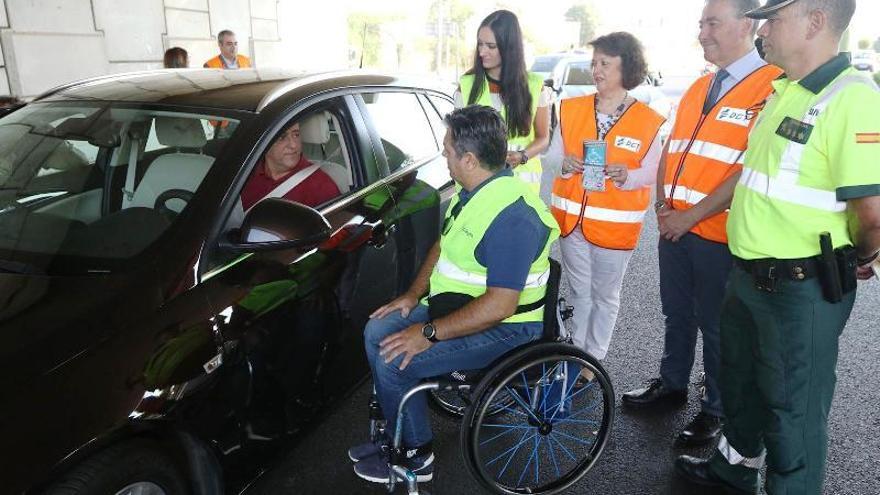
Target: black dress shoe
[
  {"x": 655, "y": 394},
  {"x": 702, "y": 429},
  {"x": 697, "y": 471}
]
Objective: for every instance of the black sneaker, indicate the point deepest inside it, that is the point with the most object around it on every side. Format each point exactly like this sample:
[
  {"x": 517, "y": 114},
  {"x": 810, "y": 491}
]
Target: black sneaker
[{"x": 375, "y": 469}]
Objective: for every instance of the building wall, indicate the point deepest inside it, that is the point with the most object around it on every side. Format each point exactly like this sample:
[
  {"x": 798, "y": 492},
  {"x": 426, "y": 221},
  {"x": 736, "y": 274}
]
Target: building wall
[{"x": 46, "y": 43}]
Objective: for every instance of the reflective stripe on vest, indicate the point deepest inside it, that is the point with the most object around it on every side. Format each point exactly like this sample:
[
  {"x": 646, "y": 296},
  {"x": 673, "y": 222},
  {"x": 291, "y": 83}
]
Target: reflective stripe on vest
[
  {"x": 458, "y": 270},
  {"x": 684, "y": 194},
  {"x": 596, "y": 213},
  {"x": 784, "y": 186},
  {"x": 613, "y": 218},
  {"x": 706, "y": 149},
  {"x": 449, "y": 270}
]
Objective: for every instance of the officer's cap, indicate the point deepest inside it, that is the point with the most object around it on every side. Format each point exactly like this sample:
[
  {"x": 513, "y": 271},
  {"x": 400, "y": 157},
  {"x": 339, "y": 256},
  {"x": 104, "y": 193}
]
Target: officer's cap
[{"x": 770, "y": 7}]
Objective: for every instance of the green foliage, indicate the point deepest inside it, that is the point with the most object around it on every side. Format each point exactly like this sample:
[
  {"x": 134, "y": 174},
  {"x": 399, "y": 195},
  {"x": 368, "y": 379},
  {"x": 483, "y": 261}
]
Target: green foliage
[
  {"x": 583, "y": 14},
  {"x": 864, "y": 44},
  {"x": 364, "y": 36},
  {"x": 455, "y": 50}
]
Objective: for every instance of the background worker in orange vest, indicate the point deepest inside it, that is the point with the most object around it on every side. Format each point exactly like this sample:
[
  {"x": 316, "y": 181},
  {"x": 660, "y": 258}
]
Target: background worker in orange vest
[
  {"x": 702, "y": 163},
  {"x": 229, "y": 57},
  {"x": 601, "y": 228}
]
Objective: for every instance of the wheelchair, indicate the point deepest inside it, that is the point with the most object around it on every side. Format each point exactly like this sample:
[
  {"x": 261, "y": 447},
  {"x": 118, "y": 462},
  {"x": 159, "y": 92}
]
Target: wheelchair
[{"x": 530, "y": 422}]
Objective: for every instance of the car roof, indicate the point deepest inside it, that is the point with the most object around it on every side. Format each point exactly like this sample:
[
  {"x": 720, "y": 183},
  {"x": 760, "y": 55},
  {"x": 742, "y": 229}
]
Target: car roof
[{"x": 245, "y": 89}]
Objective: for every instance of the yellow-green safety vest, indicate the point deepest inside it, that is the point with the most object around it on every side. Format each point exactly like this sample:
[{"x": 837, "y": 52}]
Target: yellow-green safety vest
[
  {"x": 458, "y": 271},
  {"x": 529, "y": 172},
  {"x": 805, "y": 152}
]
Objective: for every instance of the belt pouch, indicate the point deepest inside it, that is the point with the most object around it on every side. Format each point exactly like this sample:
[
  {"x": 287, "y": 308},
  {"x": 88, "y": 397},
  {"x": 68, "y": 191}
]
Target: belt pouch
[
  {"x": 829, "y": 273},
  {"x": 847, "y": 261}
]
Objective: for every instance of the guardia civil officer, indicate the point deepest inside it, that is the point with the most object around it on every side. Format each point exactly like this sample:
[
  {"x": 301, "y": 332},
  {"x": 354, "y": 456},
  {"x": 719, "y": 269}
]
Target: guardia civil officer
[{"x": 803, "y": 225}]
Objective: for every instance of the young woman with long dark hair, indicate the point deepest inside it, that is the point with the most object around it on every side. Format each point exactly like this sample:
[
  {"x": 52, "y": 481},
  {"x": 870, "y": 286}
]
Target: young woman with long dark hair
[{"x": 499, "y": 79}]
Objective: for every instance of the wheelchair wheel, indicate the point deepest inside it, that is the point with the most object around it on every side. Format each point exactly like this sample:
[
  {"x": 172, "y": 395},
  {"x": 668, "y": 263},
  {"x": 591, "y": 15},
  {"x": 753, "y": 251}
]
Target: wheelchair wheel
[{"x": 553, "y": 433}]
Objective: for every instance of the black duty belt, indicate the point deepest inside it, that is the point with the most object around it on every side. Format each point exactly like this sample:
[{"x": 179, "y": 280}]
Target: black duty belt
[{"x": 778, "y": 269}]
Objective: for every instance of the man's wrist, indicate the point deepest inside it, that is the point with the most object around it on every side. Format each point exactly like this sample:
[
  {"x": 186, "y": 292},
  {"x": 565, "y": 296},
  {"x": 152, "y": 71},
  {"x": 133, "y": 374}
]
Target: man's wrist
[
  {"x": 429, "y": 331},
  {"x": 660, "y": 204},
  {"x": 523, "y": 157}
]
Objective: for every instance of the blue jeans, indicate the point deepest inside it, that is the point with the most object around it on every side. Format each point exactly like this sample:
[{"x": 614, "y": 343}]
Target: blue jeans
[
  {"x": 693, "y": 275},
  {"x": 474, "y": 351}
]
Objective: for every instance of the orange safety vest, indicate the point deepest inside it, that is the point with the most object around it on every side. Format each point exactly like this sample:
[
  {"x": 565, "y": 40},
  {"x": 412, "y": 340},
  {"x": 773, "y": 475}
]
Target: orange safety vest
[
  {"x": 612, "y": 218},
  {"x": 706, "y": 149},
  {"x": 217, "y": 62}
]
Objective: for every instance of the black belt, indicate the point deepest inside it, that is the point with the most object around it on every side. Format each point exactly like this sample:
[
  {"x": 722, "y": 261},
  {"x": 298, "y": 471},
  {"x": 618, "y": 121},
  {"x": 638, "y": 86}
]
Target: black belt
[{"x": 777, "y": 269}]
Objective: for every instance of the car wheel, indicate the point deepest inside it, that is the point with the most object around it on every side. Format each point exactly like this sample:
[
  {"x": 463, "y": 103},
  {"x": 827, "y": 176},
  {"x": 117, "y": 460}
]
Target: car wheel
[{"x": 137, "y": 467}]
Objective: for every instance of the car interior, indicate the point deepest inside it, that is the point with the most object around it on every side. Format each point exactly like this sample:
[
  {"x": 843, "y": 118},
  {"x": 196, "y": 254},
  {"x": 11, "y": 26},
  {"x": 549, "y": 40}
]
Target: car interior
[{"x": 323, "y": 146}]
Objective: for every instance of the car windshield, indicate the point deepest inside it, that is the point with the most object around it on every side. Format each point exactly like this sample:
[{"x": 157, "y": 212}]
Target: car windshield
[{"x": 84, "y": 186}]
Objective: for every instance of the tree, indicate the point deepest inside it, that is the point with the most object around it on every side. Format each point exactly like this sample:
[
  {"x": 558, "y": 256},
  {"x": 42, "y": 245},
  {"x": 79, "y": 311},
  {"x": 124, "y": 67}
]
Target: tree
[
  {"x": 447, "y": 20},
  {"x": 364, "y": 36},
  {"x": 583, "y": 14},
  {"x": 864, "y": 44}
]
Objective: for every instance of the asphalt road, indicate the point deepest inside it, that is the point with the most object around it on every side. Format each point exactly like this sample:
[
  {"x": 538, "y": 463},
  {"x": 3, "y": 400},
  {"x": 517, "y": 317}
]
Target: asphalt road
[{"x": 638, "y": 458}]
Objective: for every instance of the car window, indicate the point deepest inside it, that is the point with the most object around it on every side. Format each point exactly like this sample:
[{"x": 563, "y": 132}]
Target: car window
[
  {"x": 77, "y": 183},
  {"x": 579, "y": 74},
  {"x": 402, "y": 126},
  {"x": 436, "y": 173}
]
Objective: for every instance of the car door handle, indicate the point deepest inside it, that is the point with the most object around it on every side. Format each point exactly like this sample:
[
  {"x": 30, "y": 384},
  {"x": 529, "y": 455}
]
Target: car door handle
[{"x": 380, "y": 235}]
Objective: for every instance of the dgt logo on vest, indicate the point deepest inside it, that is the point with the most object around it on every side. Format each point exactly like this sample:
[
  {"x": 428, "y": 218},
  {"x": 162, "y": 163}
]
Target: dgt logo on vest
[
  {"x": 738, "y": 116},
  {"x": 628, "y": 143}
]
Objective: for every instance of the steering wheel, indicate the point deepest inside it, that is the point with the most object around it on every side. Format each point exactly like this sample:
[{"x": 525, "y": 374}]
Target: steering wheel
[{"x": 161, "y": 204}]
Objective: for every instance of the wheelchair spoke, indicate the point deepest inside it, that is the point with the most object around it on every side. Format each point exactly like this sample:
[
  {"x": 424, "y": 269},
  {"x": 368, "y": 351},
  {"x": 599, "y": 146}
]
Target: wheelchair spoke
[
  {"x": 528, "y": 392},
  {"x": 577, "y": 421},
  {"x": 519, "y": 400},
  {"x": 558, "y": 405},
  {"x": 528, "y": 463},
  {"x": 576, "y": 439},
  {"x": 509, "y": 429},
  {"x": 588, "y": 408},
  {"x": 543, "y": 392},
  {"x": 537, "y": 458},
  {"x": 552, "y": 438},
  {"x": 513, "y": 450},
  {"x": 514, "y": 411},
  {"x": 553, "y": 455}
]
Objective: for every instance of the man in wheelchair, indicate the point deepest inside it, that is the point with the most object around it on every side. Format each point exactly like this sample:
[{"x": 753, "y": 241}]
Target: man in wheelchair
[{"x": 485, "y": 282}]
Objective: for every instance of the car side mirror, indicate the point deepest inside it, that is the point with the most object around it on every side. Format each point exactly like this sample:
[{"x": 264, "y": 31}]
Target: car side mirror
[
  {"x": 549, "y": 83},
  {"x": 276, "y": 224}
]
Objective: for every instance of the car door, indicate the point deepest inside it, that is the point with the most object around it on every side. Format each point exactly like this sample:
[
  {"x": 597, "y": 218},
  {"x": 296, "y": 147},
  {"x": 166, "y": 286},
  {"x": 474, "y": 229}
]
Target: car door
[
  {"x": 292, "y": 320},
  {"x": 408, "y": 133}
]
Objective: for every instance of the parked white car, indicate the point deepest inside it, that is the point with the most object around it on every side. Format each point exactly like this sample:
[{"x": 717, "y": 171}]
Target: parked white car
[{"x": 865, "y": 60}]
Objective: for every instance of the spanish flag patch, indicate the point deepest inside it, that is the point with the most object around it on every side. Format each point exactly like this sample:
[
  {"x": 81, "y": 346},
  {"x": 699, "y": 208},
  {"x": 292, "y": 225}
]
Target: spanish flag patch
[{"x": 868, "y": 138}]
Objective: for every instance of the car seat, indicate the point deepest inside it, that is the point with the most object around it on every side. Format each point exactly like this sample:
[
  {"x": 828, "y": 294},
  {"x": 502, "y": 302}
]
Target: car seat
[
  {"x": 315, "y": 133},
  {"x": 174, "y": 170}
]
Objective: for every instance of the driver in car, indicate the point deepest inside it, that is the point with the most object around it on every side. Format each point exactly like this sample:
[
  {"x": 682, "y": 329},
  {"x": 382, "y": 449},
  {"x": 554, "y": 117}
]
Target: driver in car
[{"x": 284, "y": 172}]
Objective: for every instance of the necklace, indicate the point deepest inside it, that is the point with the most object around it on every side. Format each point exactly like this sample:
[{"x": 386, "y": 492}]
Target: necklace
[{"x": 605, "y": 125}]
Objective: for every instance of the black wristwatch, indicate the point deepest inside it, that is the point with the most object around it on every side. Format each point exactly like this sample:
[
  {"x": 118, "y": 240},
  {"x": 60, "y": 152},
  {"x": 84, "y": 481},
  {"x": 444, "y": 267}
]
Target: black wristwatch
[
  {"x": 523, "y": 157},
  {"x": 429, "y": 332}
]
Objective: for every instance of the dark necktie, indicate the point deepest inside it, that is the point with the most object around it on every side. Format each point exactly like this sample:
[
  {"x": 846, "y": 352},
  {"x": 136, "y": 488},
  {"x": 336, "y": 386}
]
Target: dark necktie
[{"x": 715, "y": 90}]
